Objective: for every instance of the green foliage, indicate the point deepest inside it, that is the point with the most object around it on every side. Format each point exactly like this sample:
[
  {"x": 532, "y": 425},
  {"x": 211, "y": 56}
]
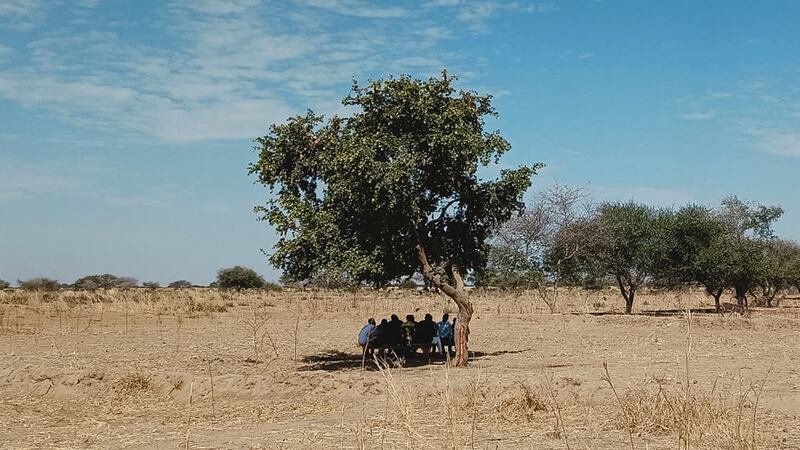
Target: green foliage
[
  {"x": 4, "y": 284},
  {"x": 105, "y": 281},
  {"x": 238, "y": 278},
  {"x": 180, "y": 284},
  {"x": 151, "y": 284},
  {"x": 40, "y": 284},
  {"x": 628, "y": 241},
  {"x": 355, "y": 196}
]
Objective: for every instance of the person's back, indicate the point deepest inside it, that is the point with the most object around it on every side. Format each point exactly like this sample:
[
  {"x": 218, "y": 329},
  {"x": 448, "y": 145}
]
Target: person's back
[
  {"x": 394, "y": 336},
  {"x": 425, "y": 330},
  {"x": 366, "y": 333},
  {"x": 407, "y": 330},
  {"x": 381, "y": 334}
]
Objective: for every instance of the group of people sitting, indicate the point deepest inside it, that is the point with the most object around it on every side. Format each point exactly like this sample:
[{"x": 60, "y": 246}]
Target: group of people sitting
[{"x": 406, "y": 337}]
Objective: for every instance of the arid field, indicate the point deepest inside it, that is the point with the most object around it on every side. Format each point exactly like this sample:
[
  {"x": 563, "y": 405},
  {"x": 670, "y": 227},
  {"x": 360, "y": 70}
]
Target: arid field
[{"x": 199, "y": 368}]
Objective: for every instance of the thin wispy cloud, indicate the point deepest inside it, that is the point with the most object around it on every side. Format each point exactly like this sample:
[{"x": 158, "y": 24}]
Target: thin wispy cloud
[
  {"x": 779, "y": 143},
  {"x": 356, "y": 8},
  {"x": 235, "y": 70},
  {"x": 476, "y": 14},
  {"x": 698, "y": 115}
]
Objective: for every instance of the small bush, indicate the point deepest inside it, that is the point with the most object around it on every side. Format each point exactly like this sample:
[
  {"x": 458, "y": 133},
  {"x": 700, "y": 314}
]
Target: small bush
[
  {"x": 151, "y": 284},
  {"x": 238, "y": 278},
  {"x": 39, "y": 284},
  {"x": 408, "y": 283},
  {"x": 4, "y": 284},
  {"x": 180, "y": 284},
  {"x": 104, "y": 281}
]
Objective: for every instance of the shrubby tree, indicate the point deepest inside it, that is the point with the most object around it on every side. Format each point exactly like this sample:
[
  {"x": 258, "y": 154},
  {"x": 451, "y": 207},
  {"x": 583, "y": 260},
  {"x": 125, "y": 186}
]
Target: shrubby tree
[
  {"x": 238, "y": 278},
  {"x": 151, "y": 284},
  {"x": 180, "y": 284},
  {"x": 4, "y": 284},
  {"x": 776, "y": 274},
  {"x": 628, "y": 241},
  {"x": 105, "y": 281},
  {"x": 390, "y": 190},
  {"x": 40, "y": 284},
  {"x": 698, "y": 252}
]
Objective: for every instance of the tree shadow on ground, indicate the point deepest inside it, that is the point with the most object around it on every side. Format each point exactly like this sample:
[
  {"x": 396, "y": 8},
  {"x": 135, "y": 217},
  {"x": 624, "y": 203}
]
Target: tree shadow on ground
[
  {"x": 334, "y": 360},
  {"x": 654, "y": 312}
]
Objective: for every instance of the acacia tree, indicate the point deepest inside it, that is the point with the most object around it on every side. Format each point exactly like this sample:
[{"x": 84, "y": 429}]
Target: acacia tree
[
  {"x": 238, "y": 278},
  {"x": 629, "y": 242},
  {"x": 391, "y": 189},
  {"x": 698, "y": 252}
]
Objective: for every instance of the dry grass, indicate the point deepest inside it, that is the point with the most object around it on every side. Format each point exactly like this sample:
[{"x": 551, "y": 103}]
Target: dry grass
[{"x": 538, "y": 381}]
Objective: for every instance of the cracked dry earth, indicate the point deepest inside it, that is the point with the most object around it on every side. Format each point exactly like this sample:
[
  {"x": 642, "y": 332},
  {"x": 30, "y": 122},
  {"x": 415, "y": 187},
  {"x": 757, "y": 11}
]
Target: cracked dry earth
[{"x": 136, "y": 369}]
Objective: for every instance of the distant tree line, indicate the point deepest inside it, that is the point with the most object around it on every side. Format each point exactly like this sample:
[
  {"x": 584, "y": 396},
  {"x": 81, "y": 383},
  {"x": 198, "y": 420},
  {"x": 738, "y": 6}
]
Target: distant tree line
[
  {"x": 233, "y": 278},
  {"x": 563, "y": 239}
]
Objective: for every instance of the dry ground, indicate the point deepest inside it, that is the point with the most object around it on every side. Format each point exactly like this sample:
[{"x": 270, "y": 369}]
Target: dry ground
[{"x": 135, "y": 370}]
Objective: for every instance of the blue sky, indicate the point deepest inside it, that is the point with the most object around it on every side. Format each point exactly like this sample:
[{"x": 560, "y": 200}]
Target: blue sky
[{"x": 126, "y": 126}]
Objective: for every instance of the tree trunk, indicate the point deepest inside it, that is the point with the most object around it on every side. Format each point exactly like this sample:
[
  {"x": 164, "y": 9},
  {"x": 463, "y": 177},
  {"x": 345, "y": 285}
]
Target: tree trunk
[
  {"x": 459, "y": 296},
  {"x": 741, "y": 297},
  {"x": 716, "y": 293},
  {"x": 628, "y": 294}
]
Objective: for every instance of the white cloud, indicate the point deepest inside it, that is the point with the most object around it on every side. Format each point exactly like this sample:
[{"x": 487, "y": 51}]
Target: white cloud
[
  {"x": 779, "y": 143},
  {"x": 698, "y": 115},
  {"x": 356, "y": 8},
  {"x": 89, "y": 3},
  {"x": 232, "y": 68},
  {"x": 19, "y": 8},
  {"x": 20, "y": 180},
  {"x": 476, "y": 13}
]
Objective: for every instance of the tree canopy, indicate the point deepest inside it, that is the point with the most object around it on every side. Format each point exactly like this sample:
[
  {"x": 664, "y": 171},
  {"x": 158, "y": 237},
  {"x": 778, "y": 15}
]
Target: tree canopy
[
  {"x": 392, "y": 189},
  {"x": 238, "y": 277}
]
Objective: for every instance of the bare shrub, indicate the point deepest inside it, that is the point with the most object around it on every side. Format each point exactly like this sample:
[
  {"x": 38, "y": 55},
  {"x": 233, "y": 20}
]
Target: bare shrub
[{"x": 134, "y": 383}]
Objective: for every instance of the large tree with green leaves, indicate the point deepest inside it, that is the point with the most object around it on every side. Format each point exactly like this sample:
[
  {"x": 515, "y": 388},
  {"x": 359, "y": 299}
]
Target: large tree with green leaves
[{"x": 392, "y": 189}]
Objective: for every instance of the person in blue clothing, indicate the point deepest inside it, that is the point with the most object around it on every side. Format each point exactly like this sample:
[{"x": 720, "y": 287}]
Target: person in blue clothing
[
  {"x": 367, "y": 333},
  {"x": 444, "y": 335}
]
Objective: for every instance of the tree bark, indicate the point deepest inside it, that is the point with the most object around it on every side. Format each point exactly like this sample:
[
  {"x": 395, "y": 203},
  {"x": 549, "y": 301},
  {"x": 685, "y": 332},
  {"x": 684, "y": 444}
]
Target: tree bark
[
  {"x": 459, "y": 296},
  {"x": 628, "y": 294},
  {"x": 716, "y": 294},
  {"x": 741, "y": 297}
]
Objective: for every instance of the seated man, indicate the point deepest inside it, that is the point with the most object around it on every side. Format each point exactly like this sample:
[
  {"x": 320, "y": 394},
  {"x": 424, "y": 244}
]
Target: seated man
[
  {"x": 407, "y": 331},
  {"x": 380, "y": 335},
  {"x": 425, "y": 331},
  {"x": 394, "y": 334},
  {"x": 366, "y": 335},
  {"x": 444, "y": 336}
]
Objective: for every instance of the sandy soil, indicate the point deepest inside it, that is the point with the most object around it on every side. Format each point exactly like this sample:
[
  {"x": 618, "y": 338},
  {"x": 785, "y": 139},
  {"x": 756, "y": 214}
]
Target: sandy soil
[{"x": 136, "y": 369}]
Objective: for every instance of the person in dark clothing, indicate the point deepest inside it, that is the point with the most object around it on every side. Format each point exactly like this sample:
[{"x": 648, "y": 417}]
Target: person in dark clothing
[
  {"x": 425, "y": 330},
  {"x": 394, "y": 336},
  {"x": 407, "y": 330},
  {"x": 381, "y": 334}
]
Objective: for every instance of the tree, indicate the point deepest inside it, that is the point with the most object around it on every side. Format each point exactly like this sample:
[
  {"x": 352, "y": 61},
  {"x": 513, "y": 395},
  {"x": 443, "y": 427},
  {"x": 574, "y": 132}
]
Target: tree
[
  {"x": 629, "y": 242},
  {"x": 532, "y": 249},
  {"x": 777, "y": 271},
  {"x": 180, "y": 284},
  {"x": 151, "y": 284},
  {"x": 4, "y": 284},
  {"x": 105, "y": 281},
  {"x": 744, "y": 245},
  {"x": 39, "y": 284},
  {"x": 698, "y": 245},
  {"x": 390, "y": 190},
  {"x": 239, "y": 278}
]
